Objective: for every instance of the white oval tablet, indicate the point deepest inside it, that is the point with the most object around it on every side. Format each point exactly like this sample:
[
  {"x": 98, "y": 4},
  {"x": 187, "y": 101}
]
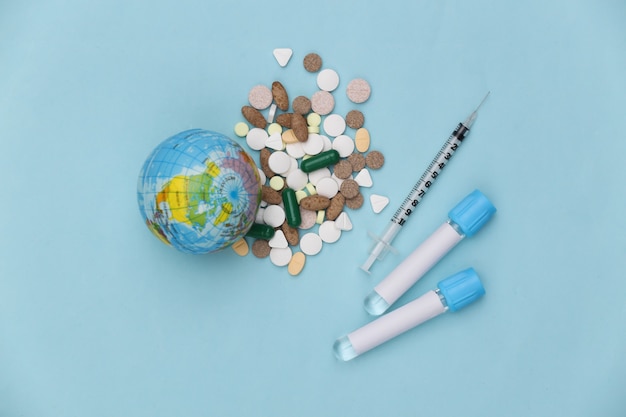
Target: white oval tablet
[
  {"x": 256, "y": 138},
  {"x": 329, "y": 232},
  {"x": 313, "y": 145},
  {"x": 327, "y": 80},
  {"x": 334, "y": 125},
  {"x": 279, "y": 162},
  {"x": 311, "y": 244},
  {"x": 274, "y": 215},
  {"x": 297, "y": 179},
  {"x": 327, "y": 187},
  {"x": 280, "y": 256},
  {"x": 344, "y": 145}
]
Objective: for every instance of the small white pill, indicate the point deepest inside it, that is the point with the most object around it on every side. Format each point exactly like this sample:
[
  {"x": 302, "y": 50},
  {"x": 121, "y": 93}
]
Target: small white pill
[
  {"x": 334, "y": 125},
  {"x": 344, "y": 145},
  {"x": 259, "y": 216},
  {"x": 327, "y": 80},
  {"x": 295, "y": 149},
  {"x": 274, "y": 215},
  {"x": 282, "y": 55},
  {"x": 297, "y": 179},
  {"x": 278, "y": 240},
  {"x": 314, "y": 144},
  {"x": 275, "y": 141},
  {"x": 281, "y": 256},
  {"x": 327, "y": 187},
  {"x": 279, "y": 162},
  {"x": 311, "y": 244},
  {"x": 318, "y": 174},
  {"x": 363, "y": 178},
  {"x": 256, "y": 138},
  {"x": 262, "y": 176},
  {"x": 328, "y": 145},
  {"x": 329, "y": 232},
  {"x": 343, "y": 222},
  {"x": 339, "y": 181},
  {"x": 378, "y": 202},
  {"x": 271, "y": 113}
]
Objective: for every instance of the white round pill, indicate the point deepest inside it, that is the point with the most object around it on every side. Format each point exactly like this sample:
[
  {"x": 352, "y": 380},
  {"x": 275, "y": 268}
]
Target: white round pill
[
  {"x": 281, "y": 256},
  {"x": 256, "y": 138},
  {"x": 313, "y": 145},
  {"x": 311, "y": 244},
  {"x": 297, "y": 179},
  {"x": 327, "y": 187},
  {"x": 328, "y": 232},
  {"x": 274, "y": 215},
  {"x": 318, "y": 174},
  {"x": 334, "y": 125},
  {"x": 327, "y": 80},
  {"x": 279, "y": 162},
  {"x": 344, "y": 145},
  {"x": 295, "y": 149}
]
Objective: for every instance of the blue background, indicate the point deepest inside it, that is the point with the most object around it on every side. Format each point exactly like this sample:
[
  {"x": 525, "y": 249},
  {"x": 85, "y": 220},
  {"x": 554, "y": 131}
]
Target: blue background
[{"x": 99, "y": 318}]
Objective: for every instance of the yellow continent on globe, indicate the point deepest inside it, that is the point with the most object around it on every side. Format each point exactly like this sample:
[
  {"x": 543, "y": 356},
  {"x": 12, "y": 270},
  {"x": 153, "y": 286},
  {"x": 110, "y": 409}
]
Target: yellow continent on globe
[{"x": 193, "y": 199}]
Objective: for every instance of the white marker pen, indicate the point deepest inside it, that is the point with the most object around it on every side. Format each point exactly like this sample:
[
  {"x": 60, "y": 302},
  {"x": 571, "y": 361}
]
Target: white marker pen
[
  {"x": 465, "y": 219},
  {"x": 453, "y": 293}
]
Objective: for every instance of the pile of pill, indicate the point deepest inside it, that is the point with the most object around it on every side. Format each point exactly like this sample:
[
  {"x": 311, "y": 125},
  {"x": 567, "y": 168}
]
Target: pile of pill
[{"x": 311, "y": 168}]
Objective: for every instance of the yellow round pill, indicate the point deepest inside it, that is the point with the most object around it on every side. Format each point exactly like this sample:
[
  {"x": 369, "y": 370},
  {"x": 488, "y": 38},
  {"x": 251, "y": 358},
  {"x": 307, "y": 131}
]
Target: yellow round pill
[
  {"x": 241, "y": 129},
  {"x": 277, "y": 182},
  {"x": 274, "y": 128},
  {"x": 313, "y": 119}
]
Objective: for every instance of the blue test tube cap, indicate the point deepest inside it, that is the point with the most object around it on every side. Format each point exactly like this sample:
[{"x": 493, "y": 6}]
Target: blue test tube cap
[
  {"x": 472, "y": 212},
  {"x": 461, "y": 289}
]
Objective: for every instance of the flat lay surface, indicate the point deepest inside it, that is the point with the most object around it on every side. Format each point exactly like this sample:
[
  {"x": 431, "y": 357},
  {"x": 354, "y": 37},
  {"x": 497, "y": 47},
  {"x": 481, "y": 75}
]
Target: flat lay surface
[{"x": 98, "y": 317}]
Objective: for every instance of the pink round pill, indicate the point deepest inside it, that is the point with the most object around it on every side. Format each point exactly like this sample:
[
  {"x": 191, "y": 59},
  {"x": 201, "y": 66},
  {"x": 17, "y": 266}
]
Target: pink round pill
[
  {"x": 260, "y": 97},
  {"x": 358, "y": 90},
  {"x": 322, "y": 102}
]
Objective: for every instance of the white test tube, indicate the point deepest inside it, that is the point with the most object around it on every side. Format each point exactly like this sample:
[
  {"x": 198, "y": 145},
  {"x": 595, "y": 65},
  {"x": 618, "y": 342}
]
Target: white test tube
[
  {"x": 453, "y": 293},
  {"x": 465, "y": 219}
]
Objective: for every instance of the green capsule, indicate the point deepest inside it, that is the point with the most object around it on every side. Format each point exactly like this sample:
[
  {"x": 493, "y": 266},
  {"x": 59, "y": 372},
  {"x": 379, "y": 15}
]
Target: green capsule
[
  {"x": 261, "y": 231},
  {"x": 292, "y": 209},
  {"x": 321, "y": 160}
]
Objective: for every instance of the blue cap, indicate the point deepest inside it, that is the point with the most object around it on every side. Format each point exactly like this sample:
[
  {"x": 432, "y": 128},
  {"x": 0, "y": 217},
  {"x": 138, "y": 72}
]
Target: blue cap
[
  {"x": 472, "y": 213},
  {"x": 461, "y": 289}
]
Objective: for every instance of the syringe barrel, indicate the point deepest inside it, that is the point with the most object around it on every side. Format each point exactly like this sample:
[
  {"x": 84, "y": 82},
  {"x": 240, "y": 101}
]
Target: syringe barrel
[
  {"x": 397, "y": 322},
  {"x": 420, "y": 261}
]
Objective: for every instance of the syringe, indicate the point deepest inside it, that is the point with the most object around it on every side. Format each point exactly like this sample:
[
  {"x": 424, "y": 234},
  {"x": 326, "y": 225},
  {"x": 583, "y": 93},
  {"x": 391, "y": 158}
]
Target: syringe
[{"x": 382, "y": 244}]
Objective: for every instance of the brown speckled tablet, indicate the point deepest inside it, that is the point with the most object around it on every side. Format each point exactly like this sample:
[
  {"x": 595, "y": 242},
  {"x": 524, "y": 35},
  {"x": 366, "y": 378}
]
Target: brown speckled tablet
[
  {"x": 355, "y": 119},
  {"x": 357, "y": 161},
  {"x": 336, "y": 206},
  {"x": 301, "y": 104},
  {"x": 343, "y": 169},
  {"x": 254, "y": 117},
  {"x": 355, "y": 202},
  {"x": 312, "y": 62},
  {"x": 284, "y": 119},
  {"x": 291, "y": 234},
  {"x": 375, "y": 160},
  {"x": 280, "y": 95},
  {"x": 349, "y": 188},
  {"x": 264, "y": 157},
  {"x": 261, "y": 248}
]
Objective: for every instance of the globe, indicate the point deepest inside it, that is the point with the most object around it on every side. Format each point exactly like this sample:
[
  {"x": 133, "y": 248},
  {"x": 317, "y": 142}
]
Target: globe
[{"x": 199, "y": 191}]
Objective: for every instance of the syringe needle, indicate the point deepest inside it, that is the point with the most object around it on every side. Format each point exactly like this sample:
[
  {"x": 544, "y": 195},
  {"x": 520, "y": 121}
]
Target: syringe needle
[{"x": 470, "y": 119}]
